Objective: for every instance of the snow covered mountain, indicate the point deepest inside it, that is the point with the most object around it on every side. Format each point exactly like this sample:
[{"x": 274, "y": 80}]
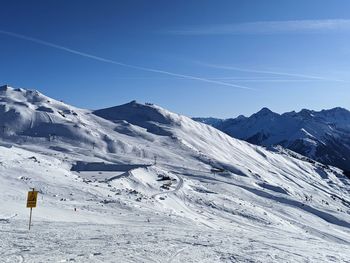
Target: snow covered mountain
[
  {"x": 320, "y": 135},
  {"x": 141, "y": 184}
]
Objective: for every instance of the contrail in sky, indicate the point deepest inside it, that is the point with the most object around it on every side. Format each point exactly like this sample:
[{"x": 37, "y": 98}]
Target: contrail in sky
[
  {"x": 76, "y": 52},
  {"x": 269, "y": 72},
  {"x": 267, "y": 27}
]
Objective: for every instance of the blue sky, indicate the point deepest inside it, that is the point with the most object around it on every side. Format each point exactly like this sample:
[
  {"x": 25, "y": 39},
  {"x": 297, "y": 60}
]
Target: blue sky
[{"x": 198, "y": 58}]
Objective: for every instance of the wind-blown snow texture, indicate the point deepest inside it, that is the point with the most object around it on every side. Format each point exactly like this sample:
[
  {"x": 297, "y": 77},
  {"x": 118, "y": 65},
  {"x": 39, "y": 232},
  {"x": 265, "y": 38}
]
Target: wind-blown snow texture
[
  {"x": 320, "y": 135},
  {"x": 149, "y": 185}
]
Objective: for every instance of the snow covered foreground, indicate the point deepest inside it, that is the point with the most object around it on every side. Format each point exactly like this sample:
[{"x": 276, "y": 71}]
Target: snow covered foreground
[{"x": 149, "y": 185}]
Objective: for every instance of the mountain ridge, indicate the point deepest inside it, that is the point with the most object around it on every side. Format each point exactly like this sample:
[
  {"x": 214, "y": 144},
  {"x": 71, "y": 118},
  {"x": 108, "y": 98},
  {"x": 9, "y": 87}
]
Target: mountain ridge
[{"x": 321, "y": 135}]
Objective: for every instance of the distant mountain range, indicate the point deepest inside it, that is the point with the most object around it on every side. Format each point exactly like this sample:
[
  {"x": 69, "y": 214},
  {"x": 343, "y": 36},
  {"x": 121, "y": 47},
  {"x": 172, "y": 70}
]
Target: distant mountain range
[{"x": 320, "y": 135}]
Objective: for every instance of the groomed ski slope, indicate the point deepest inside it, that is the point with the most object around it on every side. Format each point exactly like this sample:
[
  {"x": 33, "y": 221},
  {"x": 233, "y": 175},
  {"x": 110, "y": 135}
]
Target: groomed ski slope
[{"x": 149, "y": 185}]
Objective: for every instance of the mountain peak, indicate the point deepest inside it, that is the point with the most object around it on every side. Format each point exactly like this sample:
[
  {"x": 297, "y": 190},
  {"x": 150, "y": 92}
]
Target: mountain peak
[
  {"x": 241, "y": 117},
  {"x": 4, "y": 87},
  {"x": 135, "y": 113},
  {"x": 7, "y": 88},
  {"x": 305, "y": 113},
  {"x": 264, "y": 112},
  {"x": 336, "y": 110}
]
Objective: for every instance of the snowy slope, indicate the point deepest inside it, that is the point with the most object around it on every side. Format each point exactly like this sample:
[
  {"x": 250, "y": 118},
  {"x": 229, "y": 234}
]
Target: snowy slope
[
  {"x": 323, "y": 136},
  {"x": 150, "y": 185}
]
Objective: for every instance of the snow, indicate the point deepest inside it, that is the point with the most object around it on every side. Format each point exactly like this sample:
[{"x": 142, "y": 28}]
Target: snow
[
  {"x": 206, "y": 197},
  {"x": 311, "y": 133}
]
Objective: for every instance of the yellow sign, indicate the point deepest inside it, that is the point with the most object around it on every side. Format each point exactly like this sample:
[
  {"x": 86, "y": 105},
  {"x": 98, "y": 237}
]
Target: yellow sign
[{"x": 31, "y": 199}]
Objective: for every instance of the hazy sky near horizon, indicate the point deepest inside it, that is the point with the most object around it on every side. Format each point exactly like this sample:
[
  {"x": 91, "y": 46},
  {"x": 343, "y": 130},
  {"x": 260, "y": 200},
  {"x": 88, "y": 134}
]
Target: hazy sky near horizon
[{"x": 199, "y": 58}]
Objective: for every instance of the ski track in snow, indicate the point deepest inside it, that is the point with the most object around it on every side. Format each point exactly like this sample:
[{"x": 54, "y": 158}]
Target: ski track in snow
[
  {"x": 67, "y": 242},
  {"x": 173, "y": 257}
]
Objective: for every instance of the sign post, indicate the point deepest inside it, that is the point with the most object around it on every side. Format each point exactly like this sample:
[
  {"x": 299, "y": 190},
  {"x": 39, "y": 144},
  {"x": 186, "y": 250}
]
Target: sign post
[{"x": 31, "y": 202}]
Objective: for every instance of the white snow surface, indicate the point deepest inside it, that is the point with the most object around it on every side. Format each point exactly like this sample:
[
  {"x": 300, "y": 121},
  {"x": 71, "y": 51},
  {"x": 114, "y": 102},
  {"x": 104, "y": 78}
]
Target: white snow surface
[{"x": 149, "y": 185}]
